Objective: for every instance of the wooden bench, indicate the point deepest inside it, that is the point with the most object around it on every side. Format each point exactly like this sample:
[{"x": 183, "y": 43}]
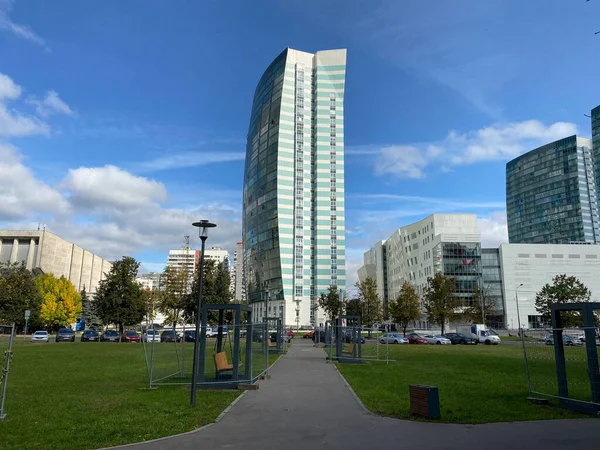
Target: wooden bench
[
  {"x": 271, "y": 343},
  {"x": 350, "y": 349}
]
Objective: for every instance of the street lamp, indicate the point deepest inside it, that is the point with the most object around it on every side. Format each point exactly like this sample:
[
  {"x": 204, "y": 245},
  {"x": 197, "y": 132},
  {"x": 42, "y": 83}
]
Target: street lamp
[
  {"x": 203, "y": 227},
  {"x": 518, "y": 313}
]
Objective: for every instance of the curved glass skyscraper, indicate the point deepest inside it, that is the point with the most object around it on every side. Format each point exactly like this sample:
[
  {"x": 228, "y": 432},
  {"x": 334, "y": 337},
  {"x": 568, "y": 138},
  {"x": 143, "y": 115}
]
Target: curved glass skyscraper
[{"x": 293, "y": 218}]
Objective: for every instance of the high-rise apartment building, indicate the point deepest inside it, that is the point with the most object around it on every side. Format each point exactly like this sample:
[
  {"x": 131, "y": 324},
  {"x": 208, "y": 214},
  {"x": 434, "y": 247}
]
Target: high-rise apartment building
[
  {"x": 551, "y": 195},
  {"x": 183, "y": 259},
  {"x": 237, "y": 275},
  {"x": 293, "y": 219},
  {"x": 216, "y": 254},
  {"x": 441, "y": 243},
  {"x": 150, "y": 281}
]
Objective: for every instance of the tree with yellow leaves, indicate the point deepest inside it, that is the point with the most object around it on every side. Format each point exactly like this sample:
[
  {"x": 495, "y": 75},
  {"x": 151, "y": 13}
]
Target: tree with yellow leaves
[{"x": 61, "y": 303}]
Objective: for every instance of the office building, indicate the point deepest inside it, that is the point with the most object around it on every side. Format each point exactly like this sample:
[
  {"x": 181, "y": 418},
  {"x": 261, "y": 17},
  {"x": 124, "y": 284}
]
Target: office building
[
  {"x": 374, "y": 267},
  {"x": 534, "y": 265},
  {"x": 293, "y": 218},
  {"x": 491, "y": 288},
  {"x": 45, "y": 252},
  {"x": 551, "y": 195},
  {"x": 441, "y": 243}
]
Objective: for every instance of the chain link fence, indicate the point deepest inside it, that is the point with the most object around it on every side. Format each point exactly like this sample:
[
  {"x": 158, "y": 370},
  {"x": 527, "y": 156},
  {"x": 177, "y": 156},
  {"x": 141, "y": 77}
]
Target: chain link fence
[{"x": 7, "y": 336}]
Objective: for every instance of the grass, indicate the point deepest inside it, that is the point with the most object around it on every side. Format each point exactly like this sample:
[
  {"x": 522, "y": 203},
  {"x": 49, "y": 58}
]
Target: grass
[
  {"x": 477, "y": 384},
  {"x": 87, "y": 395}
]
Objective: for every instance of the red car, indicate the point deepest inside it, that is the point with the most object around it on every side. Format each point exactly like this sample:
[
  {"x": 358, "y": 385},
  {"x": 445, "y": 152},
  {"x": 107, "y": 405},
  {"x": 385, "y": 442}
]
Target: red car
[
  {"x": 308, "y": 335},
  {"x": 414, "y": 338},
  {"x": 290, "y": 334},
  {"x": 130, "y": 336}
]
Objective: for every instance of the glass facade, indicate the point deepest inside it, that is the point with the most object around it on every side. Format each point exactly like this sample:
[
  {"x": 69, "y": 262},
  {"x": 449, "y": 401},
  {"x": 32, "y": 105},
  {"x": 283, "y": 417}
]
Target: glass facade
[
  {"x": 491, "y": 288},
  {"x": 551, "y": 194},
  {"x": 463, "y": 263},
  {"x": 596, "y": 144},
  {"x": 293, "y": 218}
]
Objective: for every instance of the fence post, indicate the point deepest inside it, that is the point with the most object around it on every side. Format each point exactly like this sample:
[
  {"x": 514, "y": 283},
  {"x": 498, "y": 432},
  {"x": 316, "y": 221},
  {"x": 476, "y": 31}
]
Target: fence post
[{"x": 5, "y": 371}]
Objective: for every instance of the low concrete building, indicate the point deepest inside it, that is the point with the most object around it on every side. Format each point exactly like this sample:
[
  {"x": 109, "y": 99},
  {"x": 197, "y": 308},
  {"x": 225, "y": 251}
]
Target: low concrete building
[{"x": 45, "y": 251}]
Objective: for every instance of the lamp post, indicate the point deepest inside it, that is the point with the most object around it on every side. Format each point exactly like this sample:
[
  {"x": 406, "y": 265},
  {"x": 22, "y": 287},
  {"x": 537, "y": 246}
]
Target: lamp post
[
  {"x": 518, "y": 313},
  {"x": 203, "y": 227}
]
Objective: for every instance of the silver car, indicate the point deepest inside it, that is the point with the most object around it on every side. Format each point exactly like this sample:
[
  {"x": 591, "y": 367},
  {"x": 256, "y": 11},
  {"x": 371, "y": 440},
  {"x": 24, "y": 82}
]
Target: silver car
[
  {"x": 439, "y": 340},
  {"x": 393, "y": 338},
  {"x": 40, "y": 336}
]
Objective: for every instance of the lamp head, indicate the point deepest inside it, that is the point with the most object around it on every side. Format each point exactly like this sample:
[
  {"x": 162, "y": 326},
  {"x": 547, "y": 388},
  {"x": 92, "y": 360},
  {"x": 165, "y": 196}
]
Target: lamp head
[{"x": 203, "y": 227}]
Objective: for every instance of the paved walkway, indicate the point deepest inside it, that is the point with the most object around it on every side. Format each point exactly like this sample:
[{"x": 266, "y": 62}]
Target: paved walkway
[{"x": 306, "y": 405}]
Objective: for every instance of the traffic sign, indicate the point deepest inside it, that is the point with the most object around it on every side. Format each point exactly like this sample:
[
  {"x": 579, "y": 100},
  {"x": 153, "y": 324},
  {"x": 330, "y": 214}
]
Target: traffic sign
[{"x": 27, "y": 314}]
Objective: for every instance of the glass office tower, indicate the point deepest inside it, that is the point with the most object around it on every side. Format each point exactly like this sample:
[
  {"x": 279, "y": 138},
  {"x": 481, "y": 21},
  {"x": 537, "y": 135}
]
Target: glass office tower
[
  {"x": 551, "y": 194},
  {"x": 596, "y": 143},
  {"x": 293, "y": 217}
]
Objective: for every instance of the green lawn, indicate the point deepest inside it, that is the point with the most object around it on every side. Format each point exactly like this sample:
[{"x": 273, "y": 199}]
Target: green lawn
[
  {"x": 477, "y": 384},
  {"x": 87, "y": 395}
]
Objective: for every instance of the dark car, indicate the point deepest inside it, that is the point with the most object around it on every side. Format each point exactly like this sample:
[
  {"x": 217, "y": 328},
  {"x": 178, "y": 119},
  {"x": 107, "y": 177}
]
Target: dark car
[
  {"x": 459, "y": 338},
  {"x": 110, "y": 336},
  {"x": 169, "y": 336},
  {"x": 65, "y": 335},
  {"x": 319, "y": 336},
  {"x": 90, "y": 336},
  {"x": 131, "y": 336},
  {"x": 348, "y": 337},
  {"x": 189, "y": 336},
  {"x": 415, "y": 338}
]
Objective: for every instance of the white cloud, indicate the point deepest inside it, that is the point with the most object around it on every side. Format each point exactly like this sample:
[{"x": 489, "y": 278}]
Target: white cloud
[
  {"x": 492, "y": 143},
  {"x": 51, "y": 104},
  {"x": 111, "y": 187},
  {"x": 21, "y": 193},
  {"x": 21, "y": 31},
  {"x": 13, "y": 123},
  {"x": 493, "y": 229},
  {"x": 190, "y": 159}
]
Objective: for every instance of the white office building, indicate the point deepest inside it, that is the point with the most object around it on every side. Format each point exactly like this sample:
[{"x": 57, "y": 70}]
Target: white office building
[{"x": 534, "y": 265}]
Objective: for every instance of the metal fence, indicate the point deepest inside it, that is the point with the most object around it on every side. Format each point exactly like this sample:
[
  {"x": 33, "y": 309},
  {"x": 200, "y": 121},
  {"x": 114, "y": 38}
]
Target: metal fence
[
  {"x": 224, "y": 362},
  {"x": 358, "y": 344},
  {"x": 542, "y": 367},
  {"x": 7, "y": 336}
]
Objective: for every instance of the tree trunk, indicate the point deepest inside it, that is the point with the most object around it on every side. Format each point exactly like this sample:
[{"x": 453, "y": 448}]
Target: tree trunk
[{"x": 404, "y": 326}]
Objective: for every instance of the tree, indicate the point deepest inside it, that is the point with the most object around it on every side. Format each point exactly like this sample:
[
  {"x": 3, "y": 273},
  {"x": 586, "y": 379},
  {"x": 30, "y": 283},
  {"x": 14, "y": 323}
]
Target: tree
[
  {"x": 564, "y": 289},
  {"x": 61, "y": 303},
  {"x": 372, "y": 305},
  {"x": 330, "y": 302},
  {"x": 215, "y": 289},
  {"x": 354, "y": 307},
  {"x": 439, "y": 300},
  {"x": 481, "y": 300},
  {"x": 18, "y": 293},
  {"x": 119, "y": 298},
  {"x": 175, "y": 288},
  {"x": 405, "y": 308},
  {"x": 88, "y": 312}
]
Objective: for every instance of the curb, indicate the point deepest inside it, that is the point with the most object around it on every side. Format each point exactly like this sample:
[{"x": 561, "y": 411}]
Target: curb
[
  {"x": 226, "y": 410},
  {"x": 162, "y": 438},
  {"x": 356, "y": 397}
]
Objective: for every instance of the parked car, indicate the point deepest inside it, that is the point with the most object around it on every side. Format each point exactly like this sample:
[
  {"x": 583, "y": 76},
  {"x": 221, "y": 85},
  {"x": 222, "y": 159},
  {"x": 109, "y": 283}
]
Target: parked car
[
  {"x": 460, "y": 339},
  {"x": 151, "y": 336},
  {"x": 438, "y": 340},
  {"x": 415, "y": 338},
  {"x": 65, "y": 335},
  {"x": 169, "y": 336},
  {"x": 90, "y": 336},
  {"x": 290, "y": 334},
  {"x": 567, "y": 340},
  {"x": 393, "y": 338},
  {"x": 131, "y": 336},
  {"x": 40, "y": 336},
  {"x": 189, "y": 336},
  {"x": 110, "y": 336},
  {"x": 348, "y": 337},
  {"x": 308, "y": 335}
]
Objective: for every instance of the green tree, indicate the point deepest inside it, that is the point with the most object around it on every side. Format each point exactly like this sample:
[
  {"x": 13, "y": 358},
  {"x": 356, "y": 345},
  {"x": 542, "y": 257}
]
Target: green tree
[
  {"x": 354, "y": 307},
  {"x": 18, "y": 293},
  {"x": 175, "y": 288},
  {"x": 372, "y": 305},
  {"x": 564, "y": 289},
  {"x": 119, "y": 298},
  {"x": 405, "y": 308},
  {"x": 439, "y": 301},
  {"x": 88, "y": 312},
  {"x": 215, "y": 289},
  {"x": 330, "y": 302},
  {"x": 61, "y": 303}
]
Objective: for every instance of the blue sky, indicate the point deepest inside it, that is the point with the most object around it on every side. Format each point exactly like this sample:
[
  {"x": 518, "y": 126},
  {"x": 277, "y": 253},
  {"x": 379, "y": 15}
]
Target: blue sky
[{"x": 122, "y": 122}]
